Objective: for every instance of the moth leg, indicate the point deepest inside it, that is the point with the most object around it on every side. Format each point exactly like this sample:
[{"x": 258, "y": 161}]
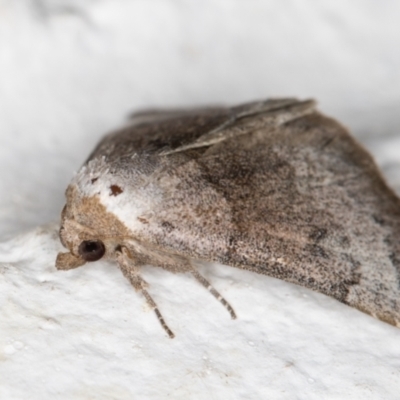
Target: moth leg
[
  {"x": 200, "y": 278},
  {"x": 131, "y": 272},
  {"x": 153, "y": 305}
]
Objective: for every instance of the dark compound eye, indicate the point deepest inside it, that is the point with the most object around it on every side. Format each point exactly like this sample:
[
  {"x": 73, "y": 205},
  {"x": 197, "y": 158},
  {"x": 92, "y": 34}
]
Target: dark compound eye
[{"x": 91, "y": 250}]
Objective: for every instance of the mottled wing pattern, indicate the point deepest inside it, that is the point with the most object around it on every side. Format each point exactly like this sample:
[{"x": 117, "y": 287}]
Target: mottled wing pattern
[{"x": 273, "y": 187}]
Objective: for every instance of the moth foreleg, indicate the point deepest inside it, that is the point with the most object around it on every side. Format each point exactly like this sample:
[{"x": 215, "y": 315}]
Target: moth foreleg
[
  {"x": 200, "y": 278},
  {"x": 153, "y": 305},
  {"x": 131, "y": 272}
]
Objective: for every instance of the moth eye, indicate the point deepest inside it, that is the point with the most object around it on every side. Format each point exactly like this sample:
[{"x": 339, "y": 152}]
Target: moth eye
[{"x": 92, "y": 250}]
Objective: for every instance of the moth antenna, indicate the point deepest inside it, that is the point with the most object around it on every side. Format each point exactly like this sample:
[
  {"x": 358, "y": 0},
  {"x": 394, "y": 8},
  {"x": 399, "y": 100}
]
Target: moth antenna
[
  {"x": 200, "y": 278},
  {"x": 153, "y": 305}
]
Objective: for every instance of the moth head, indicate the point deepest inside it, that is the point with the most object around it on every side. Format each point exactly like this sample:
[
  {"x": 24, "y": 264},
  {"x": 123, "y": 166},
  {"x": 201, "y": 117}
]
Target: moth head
[
  {"x": 89, "y": 233},
  {"x": 83, "y": 244}
]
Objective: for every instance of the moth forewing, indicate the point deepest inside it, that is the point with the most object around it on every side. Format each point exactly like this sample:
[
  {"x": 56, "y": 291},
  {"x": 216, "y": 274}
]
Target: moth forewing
[{"x": 272, "y": 186}]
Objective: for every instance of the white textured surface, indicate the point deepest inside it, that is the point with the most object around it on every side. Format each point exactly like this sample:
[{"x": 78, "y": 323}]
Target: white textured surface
[{"x": 70, "y": 71}]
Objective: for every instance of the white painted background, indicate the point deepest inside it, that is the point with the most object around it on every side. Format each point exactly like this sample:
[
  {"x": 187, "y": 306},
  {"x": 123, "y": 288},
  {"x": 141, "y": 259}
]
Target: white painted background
[{"x": 72, "y": 70}]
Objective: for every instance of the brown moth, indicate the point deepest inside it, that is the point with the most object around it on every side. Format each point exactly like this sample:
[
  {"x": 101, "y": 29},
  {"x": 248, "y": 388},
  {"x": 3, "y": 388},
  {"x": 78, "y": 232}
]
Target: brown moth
[{"x": 273, "y": 187}]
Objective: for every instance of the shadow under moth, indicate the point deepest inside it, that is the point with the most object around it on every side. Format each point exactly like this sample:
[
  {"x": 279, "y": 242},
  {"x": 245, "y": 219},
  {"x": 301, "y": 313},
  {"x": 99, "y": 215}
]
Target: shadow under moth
[{"x": 273, "y": 187}]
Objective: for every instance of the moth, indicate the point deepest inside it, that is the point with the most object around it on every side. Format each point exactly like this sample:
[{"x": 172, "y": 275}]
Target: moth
[{"x": 273, "y": 187}]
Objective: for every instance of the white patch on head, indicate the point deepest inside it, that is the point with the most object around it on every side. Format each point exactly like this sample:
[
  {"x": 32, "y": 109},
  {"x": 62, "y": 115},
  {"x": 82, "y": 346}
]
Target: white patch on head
[{"x": 117, "y": 193}]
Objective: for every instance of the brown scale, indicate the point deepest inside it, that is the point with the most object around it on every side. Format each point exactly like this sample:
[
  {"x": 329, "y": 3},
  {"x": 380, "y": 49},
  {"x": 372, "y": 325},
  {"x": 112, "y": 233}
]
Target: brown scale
[{"x": 273, "y": 187}]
